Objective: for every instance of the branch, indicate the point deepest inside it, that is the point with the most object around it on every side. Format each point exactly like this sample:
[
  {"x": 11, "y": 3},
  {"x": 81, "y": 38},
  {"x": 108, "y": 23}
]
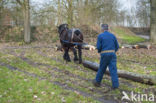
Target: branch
[
  {"x": 19, "y": 2},
  {"x": 64, "y": 3}
]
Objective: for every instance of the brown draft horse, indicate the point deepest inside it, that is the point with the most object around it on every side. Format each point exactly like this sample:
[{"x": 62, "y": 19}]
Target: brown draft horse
[{"x": 68, "y": 39}]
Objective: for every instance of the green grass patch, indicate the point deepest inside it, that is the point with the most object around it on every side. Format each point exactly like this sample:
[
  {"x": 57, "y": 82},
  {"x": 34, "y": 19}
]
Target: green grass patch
[
  {"x": 126, "y": 36},
  {"x": 17, "y": 87},
  {"x": 20, "y": 64},
  {"x": 60, "y": 65}
]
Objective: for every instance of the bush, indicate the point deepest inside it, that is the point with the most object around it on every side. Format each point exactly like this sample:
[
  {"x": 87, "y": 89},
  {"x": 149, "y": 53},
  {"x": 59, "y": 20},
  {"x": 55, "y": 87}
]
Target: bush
[{"x": 8, "y": 33}]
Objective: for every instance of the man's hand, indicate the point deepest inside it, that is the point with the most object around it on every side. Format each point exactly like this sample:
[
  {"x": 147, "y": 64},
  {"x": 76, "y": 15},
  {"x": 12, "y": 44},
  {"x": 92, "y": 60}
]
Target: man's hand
[{"x": 117, "y": 53}]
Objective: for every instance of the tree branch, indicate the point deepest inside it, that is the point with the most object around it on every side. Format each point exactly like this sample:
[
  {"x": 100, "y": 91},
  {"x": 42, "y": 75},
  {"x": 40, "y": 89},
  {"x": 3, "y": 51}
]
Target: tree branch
[{"x": 19, "y": 2}]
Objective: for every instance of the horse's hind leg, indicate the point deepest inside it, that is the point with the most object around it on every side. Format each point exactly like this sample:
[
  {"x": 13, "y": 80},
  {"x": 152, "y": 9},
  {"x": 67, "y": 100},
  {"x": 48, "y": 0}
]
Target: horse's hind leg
[
  {"x": 80, "y": 53},
  {"x": 75, "y": 54}
]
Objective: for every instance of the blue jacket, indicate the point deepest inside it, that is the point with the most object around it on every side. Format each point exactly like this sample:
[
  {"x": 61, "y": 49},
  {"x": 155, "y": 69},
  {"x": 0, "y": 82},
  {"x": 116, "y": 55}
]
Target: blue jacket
[{"x": 107, "y": 41}]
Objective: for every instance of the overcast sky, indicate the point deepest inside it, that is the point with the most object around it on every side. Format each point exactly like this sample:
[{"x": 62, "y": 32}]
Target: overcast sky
[{"x": 128, "y": 4}]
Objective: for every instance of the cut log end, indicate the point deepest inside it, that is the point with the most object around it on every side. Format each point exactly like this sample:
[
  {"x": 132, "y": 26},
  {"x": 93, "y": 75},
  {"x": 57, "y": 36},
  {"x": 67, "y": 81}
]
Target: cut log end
[{"x": 89, "y": 47}]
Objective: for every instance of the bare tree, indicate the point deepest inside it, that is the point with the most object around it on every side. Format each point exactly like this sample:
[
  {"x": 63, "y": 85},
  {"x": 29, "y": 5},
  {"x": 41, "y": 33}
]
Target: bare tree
[
  {"x": 153, "y": 20},
  {"x": 143, "y": 13},
  {"x": 2, "y": 3},
  {"x": 26, "y": 14},
  {"x": 69, "y": 7},
  {"x": 59, "y": 12}
]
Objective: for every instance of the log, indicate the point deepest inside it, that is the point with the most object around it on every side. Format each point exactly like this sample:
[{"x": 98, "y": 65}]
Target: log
[
  {"x": 88, "y": 47},
  {"x": 150, "y": 80},
  {"x": 138, "y": 46},
  {"x": 143, "y": 46},
  {"x": 127, "y": 46},
  {"x": 85, "y": 46}
]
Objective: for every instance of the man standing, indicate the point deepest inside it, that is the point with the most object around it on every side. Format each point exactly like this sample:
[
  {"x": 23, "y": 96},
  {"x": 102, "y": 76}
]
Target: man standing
[{"x": 107, "y": 46}]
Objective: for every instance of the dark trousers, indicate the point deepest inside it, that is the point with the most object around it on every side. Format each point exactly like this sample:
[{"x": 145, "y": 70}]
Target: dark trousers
[{"x": 108, "y": 59}]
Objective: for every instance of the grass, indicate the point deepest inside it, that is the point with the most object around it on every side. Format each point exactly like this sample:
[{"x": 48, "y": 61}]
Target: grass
[
  {"x": 17, "y": 88},
  {"x": 28, "y": 88},
  {"x": 30, "y": 69},
  {"x": 53, "y": 63},
  {"x": 126, "y": 36},
  {"x": 17, "y": 62}
]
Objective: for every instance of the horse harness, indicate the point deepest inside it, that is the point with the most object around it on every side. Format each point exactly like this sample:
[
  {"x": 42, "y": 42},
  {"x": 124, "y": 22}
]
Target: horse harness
[
  {"x": 62, "y": 32},
  {"x": 73, "y": 30},
  {"x": 72, "y": 36}
]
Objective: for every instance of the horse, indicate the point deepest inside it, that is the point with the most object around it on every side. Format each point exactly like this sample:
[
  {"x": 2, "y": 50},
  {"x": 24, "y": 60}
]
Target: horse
[{"x": 69, "y": 38}]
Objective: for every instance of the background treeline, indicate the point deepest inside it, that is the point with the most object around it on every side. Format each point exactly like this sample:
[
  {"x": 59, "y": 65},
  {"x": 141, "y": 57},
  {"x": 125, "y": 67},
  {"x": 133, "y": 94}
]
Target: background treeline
[{"x": 21, "y": 17}]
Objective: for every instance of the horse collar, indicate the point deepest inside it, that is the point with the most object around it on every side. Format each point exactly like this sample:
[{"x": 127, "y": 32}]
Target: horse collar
[{"x": 72, "y": 34}]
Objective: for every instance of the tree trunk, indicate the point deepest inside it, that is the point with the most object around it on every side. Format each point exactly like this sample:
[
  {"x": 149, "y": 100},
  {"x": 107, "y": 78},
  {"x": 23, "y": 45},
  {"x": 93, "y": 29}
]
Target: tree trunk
[
  {"x": 153, "y": 21},
  {"x": 26, "y": 14},
  {"x": 59, "y": 12},
  {"x": 70, "y": 13},
  {"x": 124, "y": 74}
]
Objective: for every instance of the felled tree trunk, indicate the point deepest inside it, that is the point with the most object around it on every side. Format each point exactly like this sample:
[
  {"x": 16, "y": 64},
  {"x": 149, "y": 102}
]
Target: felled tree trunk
[
  {"x": 124, "y": 74},
  {"x": 84, "y": 46},
  {"x": 88, "y": 47},
  {"x": 138, "y": 46}
]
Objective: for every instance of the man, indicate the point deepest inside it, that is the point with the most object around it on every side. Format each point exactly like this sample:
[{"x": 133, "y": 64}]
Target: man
[{"x": 107, "y": 46}]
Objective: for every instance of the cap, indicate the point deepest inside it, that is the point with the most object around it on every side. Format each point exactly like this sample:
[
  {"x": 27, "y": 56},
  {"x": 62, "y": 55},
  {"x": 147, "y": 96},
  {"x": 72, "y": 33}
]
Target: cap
[{"x": 104, "y": 26}]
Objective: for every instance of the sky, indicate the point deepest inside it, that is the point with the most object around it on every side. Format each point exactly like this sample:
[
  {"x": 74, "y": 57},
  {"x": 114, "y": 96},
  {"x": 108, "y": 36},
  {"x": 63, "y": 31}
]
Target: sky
[{"x": 128, "y": 4}]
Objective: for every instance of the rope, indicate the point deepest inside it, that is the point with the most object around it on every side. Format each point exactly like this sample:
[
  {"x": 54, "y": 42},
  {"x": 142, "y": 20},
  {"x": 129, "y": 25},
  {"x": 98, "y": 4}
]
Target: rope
[{"x": 74, "y": 43}]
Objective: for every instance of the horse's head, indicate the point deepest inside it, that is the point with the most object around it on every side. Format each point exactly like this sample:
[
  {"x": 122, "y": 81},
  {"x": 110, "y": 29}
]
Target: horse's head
[{"x": 62, "y": 28}]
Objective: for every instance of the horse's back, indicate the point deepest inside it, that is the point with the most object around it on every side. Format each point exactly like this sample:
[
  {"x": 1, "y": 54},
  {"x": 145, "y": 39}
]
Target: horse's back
[{"x": 68, "y": 36}]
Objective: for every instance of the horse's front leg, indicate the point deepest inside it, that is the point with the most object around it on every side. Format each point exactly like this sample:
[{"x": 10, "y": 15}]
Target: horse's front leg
[
  {"x": 80, "y": 53},
  {"x": 75, "y": 54},
  {"x": 67, "y": 55}
]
